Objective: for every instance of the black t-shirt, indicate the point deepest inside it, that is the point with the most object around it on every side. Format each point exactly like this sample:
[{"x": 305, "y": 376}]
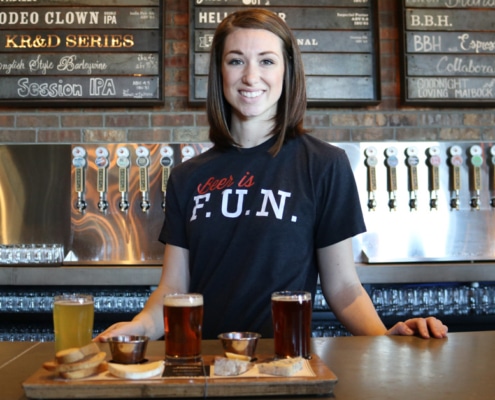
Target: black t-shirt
[{"x": 252, "y": 223}]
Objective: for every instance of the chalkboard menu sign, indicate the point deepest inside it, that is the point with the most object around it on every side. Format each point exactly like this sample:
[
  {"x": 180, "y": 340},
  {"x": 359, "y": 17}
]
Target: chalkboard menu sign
[
  {"x": 448, "y": 49},
  {"x": 84, "y": 52},
  {"x": 338, "y": 40}
]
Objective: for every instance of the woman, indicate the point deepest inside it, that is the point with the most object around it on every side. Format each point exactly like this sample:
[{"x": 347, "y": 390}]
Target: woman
[{"x": 268, "y": 207}]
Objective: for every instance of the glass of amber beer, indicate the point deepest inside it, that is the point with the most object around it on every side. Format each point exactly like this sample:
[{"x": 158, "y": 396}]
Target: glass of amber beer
[
  {"x": 73, "y": 316},
  {"x": 291, "y": 315},
  {"x": 183, "y": 321}
]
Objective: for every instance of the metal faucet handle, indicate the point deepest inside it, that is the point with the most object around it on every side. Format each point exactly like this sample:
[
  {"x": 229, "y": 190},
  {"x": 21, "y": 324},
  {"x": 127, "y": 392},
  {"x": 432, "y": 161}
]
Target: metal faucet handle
[
  {"x": 145, "y": 205},
  {"x": 81, "y": 205},
  {"x": 102, "y": 205}
]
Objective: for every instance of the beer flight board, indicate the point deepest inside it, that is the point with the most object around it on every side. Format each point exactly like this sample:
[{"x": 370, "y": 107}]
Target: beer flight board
[
  {"x": 338, "y": 42},
  {"x": 448, "y": 52},
  {"x": 96, "y": 52}
]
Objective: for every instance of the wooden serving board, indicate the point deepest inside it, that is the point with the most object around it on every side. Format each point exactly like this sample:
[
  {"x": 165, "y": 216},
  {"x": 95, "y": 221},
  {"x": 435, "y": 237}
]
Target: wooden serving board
[{"x": 44, "y": 385}]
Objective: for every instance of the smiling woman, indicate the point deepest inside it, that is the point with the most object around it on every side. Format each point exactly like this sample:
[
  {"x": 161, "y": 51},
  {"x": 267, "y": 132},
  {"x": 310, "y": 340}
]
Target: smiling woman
[{"x": 268, "y": 208}]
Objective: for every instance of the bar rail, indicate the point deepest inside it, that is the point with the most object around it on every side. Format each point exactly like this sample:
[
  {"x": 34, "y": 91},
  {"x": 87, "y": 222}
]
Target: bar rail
[{"x": 150, "y": 275}]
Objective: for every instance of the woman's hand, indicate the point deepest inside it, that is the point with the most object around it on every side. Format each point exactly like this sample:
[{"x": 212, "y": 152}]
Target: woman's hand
[
  {"x": 135, "y": 328},
  {"x": 422, "y": 327}
]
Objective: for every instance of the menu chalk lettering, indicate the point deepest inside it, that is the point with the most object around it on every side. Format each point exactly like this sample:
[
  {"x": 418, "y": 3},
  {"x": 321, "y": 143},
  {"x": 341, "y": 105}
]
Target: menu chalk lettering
[
  {"x": 97, "y": 52},
  {"x": 448, "y": 52}
]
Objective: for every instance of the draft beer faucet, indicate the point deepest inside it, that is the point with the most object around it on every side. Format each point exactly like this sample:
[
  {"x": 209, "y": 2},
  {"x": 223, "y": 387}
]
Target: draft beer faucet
[
  {"x": 434, "y": 162},
  {"x": 79, "y": 162},
  {"x": 101, "y": 163},
  {"x": 143, "y": 162},
  {"x": 166, "y": 162},
  {"x": 123, "y": 162}
]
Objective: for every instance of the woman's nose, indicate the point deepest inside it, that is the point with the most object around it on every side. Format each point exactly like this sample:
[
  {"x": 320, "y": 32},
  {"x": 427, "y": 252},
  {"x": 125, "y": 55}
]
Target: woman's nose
[{"x": 251, "y": 75}]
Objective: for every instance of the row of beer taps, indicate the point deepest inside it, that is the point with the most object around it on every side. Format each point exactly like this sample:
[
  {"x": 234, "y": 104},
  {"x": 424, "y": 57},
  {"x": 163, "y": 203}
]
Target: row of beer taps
[
  {"x": 123, "y": 163},
  {"x": 434, "y": 161}
]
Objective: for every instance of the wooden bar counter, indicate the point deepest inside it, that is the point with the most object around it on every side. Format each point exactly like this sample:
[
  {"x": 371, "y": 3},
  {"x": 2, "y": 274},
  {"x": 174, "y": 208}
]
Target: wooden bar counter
[{"x": 399, "y": 368}]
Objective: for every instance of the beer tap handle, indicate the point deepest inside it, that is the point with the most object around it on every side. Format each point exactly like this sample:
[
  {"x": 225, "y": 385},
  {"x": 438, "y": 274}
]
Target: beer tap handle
[
  {"x": 492, "y": 176},
  {"x": 166, "y": 162},
  {"x": 456, "y": 162},
  {"x": 79, "y": 163},
  {"x": 123, "y": 162},
  {"x": 187, "y": 152},
  {"x": 434, "y": 163},
  {"x": 143, "y": 162},
  {"x": 101, "y": 163},
  {"x": 476, "y": 163},
  {"x": 371, "y": 163},
  {"x": 392, "y": 161},
  {"x": 412, "y": 163}
]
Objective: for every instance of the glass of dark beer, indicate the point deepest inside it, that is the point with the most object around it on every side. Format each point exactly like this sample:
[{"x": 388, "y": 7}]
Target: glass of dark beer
[
  {"x": 291, "y": 315},
  {"x": 183, "y": 321}
]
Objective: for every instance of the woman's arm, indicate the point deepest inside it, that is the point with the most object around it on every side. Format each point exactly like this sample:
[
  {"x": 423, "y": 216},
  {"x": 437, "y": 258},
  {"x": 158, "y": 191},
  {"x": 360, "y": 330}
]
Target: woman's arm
[
  {"x": 149, "y": 322},
  {"x": 351, "y": 304},
  {"x": 343, "y": 290}
]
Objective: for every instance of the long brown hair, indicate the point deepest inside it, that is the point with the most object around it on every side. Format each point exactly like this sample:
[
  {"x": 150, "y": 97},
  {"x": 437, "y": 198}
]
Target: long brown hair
[{"x": 291, "y": 106}]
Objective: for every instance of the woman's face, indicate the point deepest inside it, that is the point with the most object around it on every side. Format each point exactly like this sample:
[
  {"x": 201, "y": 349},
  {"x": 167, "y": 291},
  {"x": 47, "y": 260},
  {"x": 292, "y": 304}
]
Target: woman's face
[{"x": 253, "y": 73}]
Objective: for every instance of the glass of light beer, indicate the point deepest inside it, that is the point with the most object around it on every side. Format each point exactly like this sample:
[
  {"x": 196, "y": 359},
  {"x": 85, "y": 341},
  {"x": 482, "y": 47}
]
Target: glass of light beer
[
  {"x": 73, "y": 317},
  {"x": 183, "y": 322},
  {"x": 291, "y": 316}
]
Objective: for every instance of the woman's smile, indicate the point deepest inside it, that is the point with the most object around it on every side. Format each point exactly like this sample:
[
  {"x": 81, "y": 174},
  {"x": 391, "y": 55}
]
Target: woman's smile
[{"x": 251, "y": 94}]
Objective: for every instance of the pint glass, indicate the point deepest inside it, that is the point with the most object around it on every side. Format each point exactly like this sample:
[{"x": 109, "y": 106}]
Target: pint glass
[
  {"x": 183, "y": 320},
  {"x": 291, "y": 315},
  {"x": 73, "y": 316}
]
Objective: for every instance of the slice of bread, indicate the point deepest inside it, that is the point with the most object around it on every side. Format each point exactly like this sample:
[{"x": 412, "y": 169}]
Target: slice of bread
[
  {"x": 69, "y": 355},
  {"x": 76, "y": 353},
  {"x": 285, "y": 367},
  {"x": 136, "y": 371},
  {"x": 90, "y": 348},
  {"x": 93, "y": 360},
  {"x": 50, "y": 365},
  {"x": 84, "y": 373},
  {"x": 78, "y": 362}
]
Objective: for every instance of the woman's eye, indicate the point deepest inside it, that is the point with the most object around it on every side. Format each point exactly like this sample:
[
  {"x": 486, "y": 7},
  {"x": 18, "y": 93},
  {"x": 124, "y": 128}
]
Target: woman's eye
[
  {"x": 234, "y": 61},
  {"x": 267, "y": 62}
]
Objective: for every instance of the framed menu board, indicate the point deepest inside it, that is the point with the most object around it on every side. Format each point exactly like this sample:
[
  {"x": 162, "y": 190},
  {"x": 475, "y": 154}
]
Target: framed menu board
[
  {"x": 448, "y": 52},
  {"x": 338, "y": 40},
  {"x": 81, "y": 52}
]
